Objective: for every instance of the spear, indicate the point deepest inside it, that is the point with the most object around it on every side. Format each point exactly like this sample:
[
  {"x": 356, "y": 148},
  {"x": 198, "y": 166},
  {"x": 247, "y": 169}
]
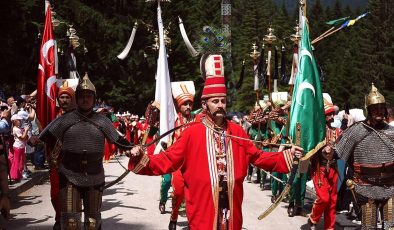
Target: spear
[
  {"x": 255, "y": 55},
  {"x": 333, "y": 23},
  {"x": 347, "y": 23},
  {"x": 283, "y": 65},
  {"x": 276, "y": 70},
  {"x": 269, "y": 39},
  {"x": 261, "y": 64}
]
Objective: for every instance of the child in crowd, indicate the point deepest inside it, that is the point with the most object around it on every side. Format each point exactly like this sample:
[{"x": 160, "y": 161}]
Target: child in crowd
[{"x": 17, "y": 154}]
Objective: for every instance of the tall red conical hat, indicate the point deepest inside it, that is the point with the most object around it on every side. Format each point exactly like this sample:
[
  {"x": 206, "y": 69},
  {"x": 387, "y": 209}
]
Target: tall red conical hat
[{"x": 215, "y": 85}]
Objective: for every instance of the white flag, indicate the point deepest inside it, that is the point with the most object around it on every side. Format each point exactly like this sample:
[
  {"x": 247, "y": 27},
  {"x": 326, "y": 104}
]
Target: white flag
[{"x": 163, "y": 93}]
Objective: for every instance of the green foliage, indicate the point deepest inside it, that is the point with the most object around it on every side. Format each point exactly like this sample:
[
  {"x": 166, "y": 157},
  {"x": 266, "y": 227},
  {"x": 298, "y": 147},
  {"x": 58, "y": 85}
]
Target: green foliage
[{"x": 350, "y": 59}]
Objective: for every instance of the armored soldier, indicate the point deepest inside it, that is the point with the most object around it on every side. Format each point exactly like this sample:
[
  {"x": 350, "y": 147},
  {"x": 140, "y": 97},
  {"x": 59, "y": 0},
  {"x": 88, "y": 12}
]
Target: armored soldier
[
  {"x": 368, "y": 147},
  {"x": 79, "y": 137}
]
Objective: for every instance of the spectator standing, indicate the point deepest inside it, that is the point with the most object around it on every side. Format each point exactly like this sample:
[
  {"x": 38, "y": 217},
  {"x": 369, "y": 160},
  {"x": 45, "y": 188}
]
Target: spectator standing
[{"x": 17, "y": 156}]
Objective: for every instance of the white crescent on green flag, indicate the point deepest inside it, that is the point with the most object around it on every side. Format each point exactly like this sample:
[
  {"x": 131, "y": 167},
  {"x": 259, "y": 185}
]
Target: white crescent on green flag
[{"x": 307, "y": 107}]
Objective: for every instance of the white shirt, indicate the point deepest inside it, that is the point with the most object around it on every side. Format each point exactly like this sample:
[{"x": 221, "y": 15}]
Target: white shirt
[
  {"x": 17, "y": 133},
  {"x": 391, "y": 123}
]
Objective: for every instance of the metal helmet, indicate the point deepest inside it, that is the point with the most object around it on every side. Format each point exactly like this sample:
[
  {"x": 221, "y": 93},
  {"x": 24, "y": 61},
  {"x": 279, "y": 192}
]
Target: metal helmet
[
  {"x": 86, "y": 84},
  {"x": 374, "y": 97}
]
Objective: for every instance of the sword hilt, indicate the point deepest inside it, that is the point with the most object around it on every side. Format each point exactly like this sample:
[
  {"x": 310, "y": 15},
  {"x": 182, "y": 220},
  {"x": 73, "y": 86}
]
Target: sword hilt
[
  {"x": 351, "y": 185},
  {"x": 297, "y": 141},
  {"x": 298, "y": 134}
]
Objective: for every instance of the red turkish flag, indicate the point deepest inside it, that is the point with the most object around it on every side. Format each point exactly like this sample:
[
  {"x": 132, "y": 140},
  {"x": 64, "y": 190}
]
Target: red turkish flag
[{"x": 46, "y": 79}]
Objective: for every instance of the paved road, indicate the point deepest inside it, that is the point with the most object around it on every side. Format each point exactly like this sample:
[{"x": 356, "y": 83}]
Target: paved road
[{"x": 133, "y": 204}]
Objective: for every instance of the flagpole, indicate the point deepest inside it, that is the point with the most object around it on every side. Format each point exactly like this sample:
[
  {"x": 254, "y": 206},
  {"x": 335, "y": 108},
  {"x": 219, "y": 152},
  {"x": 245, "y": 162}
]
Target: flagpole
[
  {"x": 345, "y": 24},
  {"x": 302, "y": 13},
  {"x": 296, "y": 40},
  {"x": 163, "y": 93},
  {"x": 323, "y": 34},
  {"x": 269, "y": 39},
  {"x": 333, "y": 23},
  {"x": 46, "y": 78},
  {"x": 303, "y": 7},
  {"x": 328, "y": 34}
]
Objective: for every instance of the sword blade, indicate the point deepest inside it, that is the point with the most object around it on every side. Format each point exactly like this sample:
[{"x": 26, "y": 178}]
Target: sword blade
[
  {"x": 285, "y": 191},
  {"x": 290, "y": 181}
]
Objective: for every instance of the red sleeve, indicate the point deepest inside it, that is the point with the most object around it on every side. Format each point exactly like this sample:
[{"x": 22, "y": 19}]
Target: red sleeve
[
  {"x": 273, "y": 161},
  {"x": 164, "y": 162},
  {"x": 151, "y": 149}
]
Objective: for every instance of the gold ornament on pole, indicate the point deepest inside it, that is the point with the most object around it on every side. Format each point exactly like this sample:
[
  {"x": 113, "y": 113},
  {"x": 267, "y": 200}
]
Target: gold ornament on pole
[
  {"x": 270, "y": 37},
  {"x": 254, "y": 54},
  {"x": 296, "y": 37}
]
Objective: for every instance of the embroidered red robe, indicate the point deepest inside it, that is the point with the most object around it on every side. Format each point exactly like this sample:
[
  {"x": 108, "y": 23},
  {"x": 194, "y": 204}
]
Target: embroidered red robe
[{"x": 194, "y": 153}]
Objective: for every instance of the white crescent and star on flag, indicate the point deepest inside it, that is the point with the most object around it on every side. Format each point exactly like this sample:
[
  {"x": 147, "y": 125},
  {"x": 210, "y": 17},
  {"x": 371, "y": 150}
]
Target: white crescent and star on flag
[
  {"x": 304, "y": 85},
  {"x": 49, "y": 83},
  {"x": 52, "y": 79},
  {"x": 45, "y": 49}
]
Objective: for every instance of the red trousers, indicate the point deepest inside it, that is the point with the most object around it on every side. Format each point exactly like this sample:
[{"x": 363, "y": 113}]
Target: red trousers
[
  {"x": 109, "y": 149},
  {"x": 16, "y": 161},
  {"x": 178, "y": 195},
  {"x": 55, "y": 199},
  {"x": 326, "y": 196}
]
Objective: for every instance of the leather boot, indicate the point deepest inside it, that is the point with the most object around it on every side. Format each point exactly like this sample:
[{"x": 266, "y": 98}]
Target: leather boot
[
  {"x": 172, "y": 225},
  {"x": 162, "y": 208},
  {"x": 311, "y": 225},
  {"x": 299, "y": 211},
  {"x": 291, "y": 210},
  {"x": 273, "y": 198}
]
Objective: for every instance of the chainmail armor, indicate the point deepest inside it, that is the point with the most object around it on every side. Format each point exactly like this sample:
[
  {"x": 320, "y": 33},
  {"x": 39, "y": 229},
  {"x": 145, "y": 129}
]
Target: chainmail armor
[
  {"x": 368, "y": 146},
  {"x": 81, "y": 136}
]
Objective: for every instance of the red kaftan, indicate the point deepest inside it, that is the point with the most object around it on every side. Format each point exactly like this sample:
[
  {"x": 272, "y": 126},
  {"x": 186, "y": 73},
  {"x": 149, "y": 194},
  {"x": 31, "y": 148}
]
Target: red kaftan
[{"x": 198, "y": 166}]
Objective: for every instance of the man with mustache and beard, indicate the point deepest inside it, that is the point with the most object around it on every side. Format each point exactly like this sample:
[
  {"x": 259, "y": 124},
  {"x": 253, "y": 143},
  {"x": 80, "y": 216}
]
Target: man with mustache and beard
[
  {"x": 213, "y": 157},
  {"x": 325, "y": 175},
  {"x": 66, "y": 102},
  {"x": 368, "y": 147},
  {"x": 183, "y": 93}
]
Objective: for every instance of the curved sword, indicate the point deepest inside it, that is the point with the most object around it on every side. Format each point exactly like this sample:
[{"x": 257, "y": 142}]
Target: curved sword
[
  {"x": 126, "y": 172},
  {"x": 290, "y": 181}
]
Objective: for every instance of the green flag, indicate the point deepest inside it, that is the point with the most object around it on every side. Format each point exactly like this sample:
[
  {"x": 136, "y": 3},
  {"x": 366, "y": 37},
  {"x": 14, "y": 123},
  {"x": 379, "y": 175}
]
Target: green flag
[
  {"x": 337, "y": 22},
  {"x": 307, "y": 106}
]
